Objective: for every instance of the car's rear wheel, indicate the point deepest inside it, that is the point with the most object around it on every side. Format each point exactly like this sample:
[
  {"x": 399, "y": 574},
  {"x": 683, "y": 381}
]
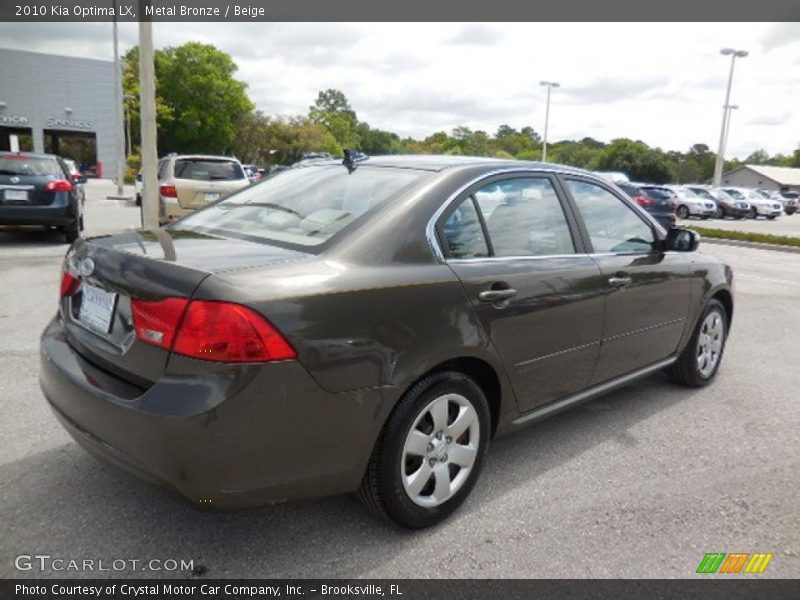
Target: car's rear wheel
[
  {"x": 430, "y": 452},
  {"x": 682, "y": 212},
  {"x": 699, "y": 362}
]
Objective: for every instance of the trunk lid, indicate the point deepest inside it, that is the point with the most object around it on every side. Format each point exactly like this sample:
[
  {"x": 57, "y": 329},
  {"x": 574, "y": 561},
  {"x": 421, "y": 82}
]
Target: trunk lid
[{"x": 148, "y": 265}]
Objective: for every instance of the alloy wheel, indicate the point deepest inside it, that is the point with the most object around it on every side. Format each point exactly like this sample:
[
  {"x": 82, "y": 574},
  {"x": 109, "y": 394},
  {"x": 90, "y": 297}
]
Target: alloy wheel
[
  {"x": 709, "y": 343},
  {"x": 440, "y": 450}
]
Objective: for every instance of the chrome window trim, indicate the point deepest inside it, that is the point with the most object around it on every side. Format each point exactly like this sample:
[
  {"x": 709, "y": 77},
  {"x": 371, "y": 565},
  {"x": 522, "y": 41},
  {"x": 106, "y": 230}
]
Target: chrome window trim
[{"x": 430, "y": 229}]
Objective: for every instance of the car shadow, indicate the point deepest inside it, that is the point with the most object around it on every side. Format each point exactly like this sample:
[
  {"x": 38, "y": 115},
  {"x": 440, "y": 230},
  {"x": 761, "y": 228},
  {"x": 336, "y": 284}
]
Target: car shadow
[
  {"x": 22, "y": 237},
  {"x": 64, "y": 503}
]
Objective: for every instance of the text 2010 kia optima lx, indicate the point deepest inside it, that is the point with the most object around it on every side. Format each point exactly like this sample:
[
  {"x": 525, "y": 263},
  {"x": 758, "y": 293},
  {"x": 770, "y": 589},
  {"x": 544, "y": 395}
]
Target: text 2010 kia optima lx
[{"x": 371, "y": 325}]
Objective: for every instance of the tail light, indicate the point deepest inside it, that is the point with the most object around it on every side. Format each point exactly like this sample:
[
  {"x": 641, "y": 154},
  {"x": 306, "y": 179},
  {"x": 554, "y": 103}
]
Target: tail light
[
  {"x": 168, "y": 191},
  {"x": 216, "y": 331},
  {"x": 156, "y": 322},
  {"x": 59, "y": 185},
  {"x": 76, "y": 177},
  {"x": 643, "y": 201},
  {"x": 69, "y": 283}
]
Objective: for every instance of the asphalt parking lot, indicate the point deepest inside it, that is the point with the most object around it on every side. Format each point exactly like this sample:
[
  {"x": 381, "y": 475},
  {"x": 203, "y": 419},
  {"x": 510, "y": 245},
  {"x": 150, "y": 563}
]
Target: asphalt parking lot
[{"x": 641, "y": 483}]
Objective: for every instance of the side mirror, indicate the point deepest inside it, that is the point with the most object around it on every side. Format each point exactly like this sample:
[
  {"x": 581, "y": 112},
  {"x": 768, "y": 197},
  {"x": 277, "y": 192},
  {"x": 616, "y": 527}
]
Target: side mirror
[{"x": 681, "y": 240}]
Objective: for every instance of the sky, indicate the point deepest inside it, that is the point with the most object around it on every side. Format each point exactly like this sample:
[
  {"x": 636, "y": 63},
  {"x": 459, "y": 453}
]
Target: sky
[{"x": 662, "y": 83}]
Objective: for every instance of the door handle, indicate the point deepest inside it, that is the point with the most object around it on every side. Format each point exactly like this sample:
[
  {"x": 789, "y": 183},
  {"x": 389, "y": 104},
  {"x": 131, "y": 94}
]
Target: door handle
[
  {"x": 497, "y": 295},
  {"x": 620, "y": 280}
]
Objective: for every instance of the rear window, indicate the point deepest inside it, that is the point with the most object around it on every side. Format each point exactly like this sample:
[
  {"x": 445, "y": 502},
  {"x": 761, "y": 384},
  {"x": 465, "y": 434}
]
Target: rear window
[
  {"x": 208, "y": 169},
  {"x": 30, "y": 166},
  {"x": 302, "y": 206},
  {"x": 660, "y": 193}
]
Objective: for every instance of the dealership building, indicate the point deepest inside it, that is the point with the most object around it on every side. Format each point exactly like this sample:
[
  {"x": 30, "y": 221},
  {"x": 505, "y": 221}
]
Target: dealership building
[
  {"x": 61, "y": 105},
  {"x": 779, "y": 179}
]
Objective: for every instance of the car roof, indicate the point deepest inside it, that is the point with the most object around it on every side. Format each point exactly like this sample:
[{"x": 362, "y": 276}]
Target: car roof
[
  {"x": 28, "y": 154},
  {"x": 442, "y": 162},
  {"x": 202, "y": 156}
]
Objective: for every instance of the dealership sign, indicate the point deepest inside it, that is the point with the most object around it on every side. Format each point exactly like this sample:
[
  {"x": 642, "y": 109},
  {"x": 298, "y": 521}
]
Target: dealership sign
[
  {"x": 72, "y": 123},
  {"x": 13, "y": 120}
]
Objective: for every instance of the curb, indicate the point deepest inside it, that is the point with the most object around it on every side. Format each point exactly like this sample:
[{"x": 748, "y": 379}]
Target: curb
[{"x": 755, "y": 245}]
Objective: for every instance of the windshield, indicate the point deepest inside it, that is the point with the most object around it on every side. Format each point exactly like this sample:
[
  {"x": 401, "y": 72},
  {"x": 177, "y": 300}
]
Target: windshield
[
  {"x": 30, "y": 165},
  {"x": 700, "y": 192},
  {"x": 304, "y": 206},
  {"x": 686, "y": 193},
  {"x": 205, "y": 169}
]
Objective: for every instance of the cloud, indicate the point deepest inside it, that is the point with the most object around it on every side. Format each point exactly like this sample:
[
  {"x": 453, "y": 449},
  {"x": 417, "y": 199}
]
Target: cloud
[
  {"x": 769, "y": 120},
  {"x": 612, "y": 89},
  {"x": 477, "y": 35},
  {"x": 780, "y": 34}
]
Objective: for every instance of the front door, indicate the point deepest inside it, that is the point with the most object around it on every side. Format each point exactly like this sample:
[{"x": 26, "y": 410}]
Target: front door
[
  {"x": 648, "y": 290},
  {"x": 539, "y": 298}
]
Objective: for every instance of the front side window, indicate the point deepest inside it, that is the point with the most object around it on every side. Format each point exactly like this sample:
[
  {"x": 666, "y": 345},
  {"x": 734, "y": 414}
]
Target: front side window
[
  {"x": 303, "y": 206},
  {"x": 613, "y": 225}
]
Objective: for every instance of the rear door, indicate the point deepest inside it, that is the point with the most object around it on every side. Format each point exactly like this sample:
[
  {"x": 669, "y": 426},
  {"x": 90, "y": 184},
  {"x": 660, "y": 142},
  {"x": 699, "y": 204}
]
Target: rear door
[
  {"x": 514, "y": 247},
  {"x": 647, "y": 289}
]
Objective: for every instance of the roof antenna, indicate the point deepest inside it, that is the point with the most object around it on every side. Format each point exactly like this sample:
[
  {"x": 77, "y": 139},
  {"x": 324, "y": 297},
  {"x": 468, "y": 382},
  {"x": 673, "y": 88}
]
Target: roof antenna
[{"x": 351, "y": 157}]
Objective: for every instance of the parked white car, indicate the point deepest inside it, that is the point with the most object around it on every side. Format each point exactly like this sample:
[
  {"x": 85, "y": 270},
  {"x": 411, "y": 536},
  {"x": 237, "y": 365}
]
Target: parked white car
[
  {"x": 691, "y": 204},
  {"x": 759, "y": 207}
]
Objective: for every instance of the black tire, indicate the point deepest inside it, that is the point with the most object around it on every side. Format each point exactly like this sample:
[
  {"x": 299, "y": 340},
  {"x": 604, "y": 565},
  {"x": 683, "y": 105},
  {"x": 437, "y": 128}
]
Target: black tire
[
  {"x": 138, "y": 199},
  {"x": 721, "y": 213},
  {"x": 753, "y": 213},
  {"x": 72, "y": 231},
  {"x": 705, "y": 217},
  {"x": 685, "y": 370},
  {"x": 682, "y": 212},
  {"x": 382, "y": 490},
  {"x": 771, "y": 217}
]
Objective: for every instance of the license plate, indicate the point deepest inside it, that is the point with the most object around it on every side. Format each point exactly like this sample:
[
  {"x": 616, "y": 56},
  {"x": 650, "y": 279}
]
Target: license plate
[
  {"x": 16, "y": 195},
  {"x": 210, "y": 197},
  {"x": 97, "y": 307}
]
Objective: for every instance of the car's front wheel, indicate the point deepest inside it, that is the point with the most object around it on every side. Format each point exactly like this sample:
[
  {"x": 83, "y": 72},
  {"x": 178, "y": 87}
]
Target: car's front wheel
[
  {"x": 430, "y": 452},
  {"x": 682, "y": 212},
  {"x": 699, "y": 362}
]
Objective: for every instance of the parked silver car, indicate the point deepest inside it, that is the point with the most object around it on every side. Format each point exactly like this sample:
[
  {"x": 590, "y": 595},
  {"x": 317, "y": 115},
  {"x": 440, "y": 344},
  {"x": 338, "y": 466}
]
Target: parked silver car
[{"x": 690, "y": 204}]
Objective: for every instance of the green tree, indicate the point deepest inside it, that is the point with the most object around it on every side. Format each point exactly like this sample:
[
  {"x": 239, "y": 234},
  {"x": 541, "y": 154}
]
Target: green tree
[
  {"x": 332, "y": 110},
  {"x": 198, "y": 101}
]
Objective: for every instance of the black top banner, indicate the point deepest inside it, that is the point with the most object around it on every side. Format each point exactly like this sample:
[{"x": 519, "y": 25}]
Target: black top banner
[{"x": 405, "y": 10}]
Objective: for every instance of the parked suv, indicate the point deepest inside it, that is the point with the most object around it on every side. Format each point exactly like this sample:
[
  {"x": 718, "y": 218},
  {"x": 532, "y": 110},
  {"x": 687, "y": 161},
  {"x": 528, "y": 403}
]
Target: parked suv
[
  {"x": 726, "y": 205},
  {"x": 789, "y": 202},
  {"x": 658, "y": 200},
  {"x": 189, "y": 182},
  {"x": 38, "y": 189},
  {"x": 691, "y": 204},
  {"x": 759, "y": 207}
]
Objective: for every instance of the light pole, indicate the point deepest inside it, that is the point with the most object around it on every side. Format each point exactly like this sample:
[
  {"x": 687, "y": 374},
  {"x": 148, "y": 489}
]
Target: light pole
[
  {"x": 549, "y": 85},
  {"x": 720, "y": 164},
  {"x": 147, "y": 111},
  {"x": 118, "y": 121},
  {"x": 731, "y": 108}
]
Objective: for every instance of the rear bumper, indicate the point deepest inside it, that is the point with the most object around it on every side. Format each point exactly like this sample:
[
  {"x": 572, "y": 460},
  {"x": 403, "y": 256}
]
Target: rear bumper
[
  {"x": 221, "y": 435},
  {"x": 32, "y": 215}
]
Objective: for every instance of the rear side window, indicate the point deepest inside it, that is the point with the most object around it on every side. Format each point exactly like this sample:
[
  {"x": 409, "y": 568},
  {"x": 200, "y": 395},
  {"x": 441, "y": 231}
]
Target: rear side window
[
  {"x": 301, "y": 206},
  {"x": 463, "y": 231},
  {"x": 208, "y": 170},
  {"x": 613, "y": 226},
  {"x": 524, "y": 218},
  {"x": 31, "y": 166},
  {"x": 521, "y": 216}
]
